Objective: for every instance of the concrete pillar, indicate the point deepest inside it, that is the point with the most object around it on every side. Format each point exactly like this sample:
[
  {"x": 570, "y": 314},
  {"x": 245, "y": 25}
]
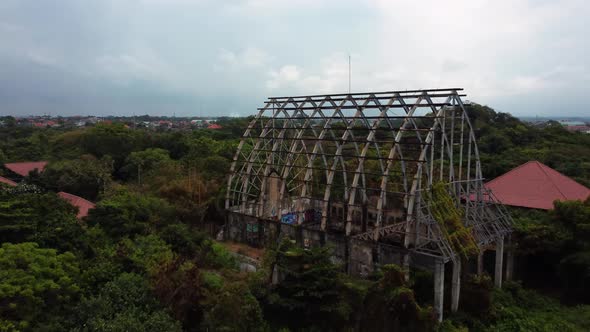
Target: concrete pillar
[
  {"x": 347, "y": 255},
  {"x": 499, "y": 262},
  {"x": 456, "y": 286},
  {"x": 480, "y": 263},
  {"x": 509, "y": 259},
  {"x": 439, "y": 288},
  {"x": 509, "y": 264},
  {"x": 406, "y": 266},
  {"x": 275, "y": 275}
]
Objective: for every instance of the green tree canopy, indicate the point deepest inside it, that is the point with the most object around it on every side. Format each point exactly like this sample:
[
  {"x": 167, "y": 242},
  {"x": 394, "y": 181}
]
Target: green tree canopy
[
  {"x": 42, "y": 218},
  {"x": 37, "y": 286},
  {"x": 86, "y": 177},
  {"x": 124, "y": 304},
  {"x": 144, "y": 162},
  {"x": 127, "y": 214}
]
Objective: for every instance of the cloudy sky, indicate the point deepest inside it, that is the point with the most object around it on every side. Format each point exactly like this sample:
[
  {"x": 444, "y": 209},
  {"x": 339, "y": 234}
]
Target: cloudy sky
[{"x": 206, "y": 57}]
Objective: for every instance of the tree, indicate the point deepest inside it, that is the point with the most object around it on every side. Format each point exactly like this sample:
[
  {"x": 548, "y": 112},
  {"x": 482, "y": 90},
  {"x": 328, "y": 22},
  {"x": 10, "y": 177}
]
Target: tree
[
  {"x": 178, "y": 284},
  {"x": 311, "y": 292},
  {"x": 112, "y": 139},
  {"x": 191, "y": 197},
  {"x": 145, "y": 162},
  {"x": 37, "y": 286},
  {"x": 147, "y": 253},
  {"x": 234, "y": 308},
  {"x": 124, "y": 304},
  {"x": 390, "y": 305},
  {"x": 575, "y": 268},
  {"x": 86, "y": 177},
  {"x": 42, "y": 218},
  {"x": 127, "y": 214}
]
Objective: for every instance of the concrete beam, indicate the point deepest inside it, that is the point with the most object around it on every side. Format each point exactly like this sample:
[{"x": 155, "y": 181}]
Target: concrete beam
[
  {"x": 499, "y": 262},
  {"x": 439, "y": 288},
  {"x": 456, "y": 286}
]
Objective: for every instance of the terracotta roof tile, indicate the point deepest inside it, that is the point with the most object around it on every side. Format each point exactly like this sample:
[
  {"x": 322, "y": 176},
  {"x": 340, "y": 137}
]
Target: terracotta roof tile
[
  {"x": 7, "y": 181},
  {"x": 535, "y": 185},
  {"x": 24, "y": 168},
  {"x": 82, "y": 204}
]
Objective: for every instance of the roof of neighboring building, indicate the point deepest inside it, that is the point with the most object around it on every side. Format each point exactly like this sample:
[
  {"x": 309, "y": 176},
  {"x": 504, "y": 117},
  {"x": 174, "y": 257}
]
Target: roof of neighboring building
[
  {"x": 7, "y": 181},
  {"x": 535, "y": 185},
  {"x": 82, "y": 204},
  {"x": 578, "y": 128},
  {"x": 214, "y": 126},
  {"x": 24, "y": 168}
]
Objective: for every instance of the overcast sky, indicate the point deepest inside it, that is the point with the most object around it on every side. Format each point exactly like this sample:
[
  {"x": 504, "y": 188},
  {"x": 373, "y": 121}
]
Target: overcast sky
[{"x": 206, "y": 57}]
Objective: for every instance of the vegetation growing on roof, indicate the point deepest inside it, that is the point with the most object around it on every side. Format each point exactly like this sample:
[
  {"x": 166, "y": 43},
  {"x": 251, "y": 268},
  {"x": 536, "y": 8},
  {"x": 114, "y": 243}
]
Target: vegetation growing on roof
[{"x": 449, "y": 217}]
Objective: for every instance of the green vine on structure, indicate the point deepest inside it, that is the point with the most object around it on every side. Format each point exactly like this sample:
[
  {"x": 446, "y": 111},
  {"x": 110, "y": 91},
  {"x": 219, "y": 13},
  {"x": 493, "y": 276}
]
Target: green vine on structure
[{"x": 448, "y": 216}]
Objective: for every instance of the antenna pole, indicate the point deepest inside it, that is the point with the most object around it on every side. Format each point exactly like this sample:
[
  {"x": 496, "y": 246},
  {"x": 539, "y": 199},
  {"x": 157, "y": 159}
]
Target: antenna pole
[{"x": 349, "y": 73}]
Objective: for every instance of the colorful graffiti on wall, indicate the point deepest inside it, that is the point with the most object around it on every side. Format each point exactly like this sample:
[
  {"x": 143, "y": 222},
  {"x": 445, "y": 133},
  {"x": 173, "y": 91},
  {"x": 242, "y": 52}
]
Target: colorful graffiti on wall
[{"x": 289, "y": 218}]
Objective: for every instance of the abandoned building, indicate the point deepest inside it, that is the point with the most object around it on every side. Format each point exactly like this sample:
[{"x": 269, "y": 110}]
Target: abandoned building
[{"x": 382, "y": 177}]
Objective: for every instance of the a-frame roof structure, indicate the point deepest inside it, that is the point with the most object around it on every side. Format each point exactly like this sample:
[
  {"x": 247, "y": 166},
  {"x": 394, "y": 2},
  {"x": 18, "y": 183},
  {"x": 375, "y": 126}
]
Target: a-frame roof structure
[{"x": 536, "y": 185}]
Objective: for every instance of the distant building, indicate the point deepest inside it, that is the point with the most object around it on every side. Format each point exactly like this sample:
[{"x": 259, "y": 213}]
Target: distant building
[
  {"x": 7, "y": 182},
  {"x": 214, "y": 126},
  {"x": 568, "y": 123},
  {"x": 24, "y": 168},
  {"x": 580, "y": 129},
  {"x": 82, "y": 204},
  {"x": 535, "y": 185}
]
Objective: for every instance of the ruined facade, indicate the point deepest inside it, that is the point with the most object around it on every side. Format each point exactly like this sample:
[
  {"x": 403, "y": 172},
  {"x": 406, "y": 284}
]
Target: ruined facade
[{"x": 357, "y": 171}]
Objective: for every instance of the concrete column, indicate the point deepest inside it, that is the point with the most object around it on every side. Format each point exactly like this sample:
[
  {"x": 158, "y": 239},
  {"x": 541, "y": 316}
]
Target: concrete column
[
  {"x": 509, "y": 259},
  {"x": 406, "y": 266},
  {"x": 509, "y": 264},
  {"x": 439, "y": 288},
  {"x": 456, "y": 286},
  {"x": 275, "y": 275},
  {"x": 480, "y": 263},
  {"x": 347, "y": 255},
  {"x": 499, "y": 262}
]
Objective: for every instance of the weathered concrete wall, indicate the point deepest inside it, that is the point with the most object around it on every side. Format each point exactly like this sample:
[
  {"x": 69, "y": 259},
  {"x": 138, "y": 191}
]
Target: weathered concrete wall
[{"x": 358, "y": 258}]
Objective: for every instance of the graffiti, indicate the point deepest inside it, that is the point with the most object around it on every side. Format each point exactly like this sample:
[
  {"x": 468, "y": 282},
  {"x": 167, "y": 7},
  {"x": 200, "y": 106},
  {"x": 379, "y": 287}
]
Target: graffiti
[{"x": 289, "y": 218}]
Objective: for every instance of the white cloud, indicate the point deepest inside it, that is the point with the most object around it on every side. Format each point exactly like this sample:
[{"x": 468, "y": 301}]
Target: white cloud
[
  {"x": 9, "y": 27},
  {"x": 41, "y": 58},
  {"x": 285, "y": 76},
  {"x": 248, "y": 57},
  {"x": 491, "y": 48},
  {"x": 500, "y": 51},
  {"x": 266, "y": 7},
  {"x": 143, "y": 65}
]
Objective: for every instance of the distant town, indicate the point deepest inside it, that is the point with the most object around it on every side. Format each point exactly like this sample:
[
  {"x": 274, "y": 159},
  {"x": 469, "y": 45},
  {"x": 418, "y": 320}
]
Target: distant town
[
  {"x": 189, "y": 123},
  {"x": 144, "y": 121}
]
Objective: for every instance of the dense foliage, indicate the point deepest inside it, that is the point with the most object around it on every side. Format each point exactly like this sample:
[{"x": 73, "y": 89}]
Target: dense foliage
[{"x": 142, "y": 260}]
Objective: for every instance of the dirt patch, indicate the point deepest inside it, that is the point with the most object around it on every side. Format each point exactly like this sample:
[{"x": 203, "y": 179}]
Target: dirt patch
[{"x": 244, "y": 249}]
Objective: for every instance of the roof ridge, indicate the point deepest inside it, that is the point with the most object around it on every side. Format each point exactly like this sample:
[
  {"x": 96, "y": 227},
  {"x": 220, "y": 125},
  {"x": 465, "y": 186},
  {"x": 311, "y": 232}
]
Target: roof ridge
[
  {"x": 510, "y": 171},
  {"x": 542, "y": 167},
  {"x": 76, "y": 196}
]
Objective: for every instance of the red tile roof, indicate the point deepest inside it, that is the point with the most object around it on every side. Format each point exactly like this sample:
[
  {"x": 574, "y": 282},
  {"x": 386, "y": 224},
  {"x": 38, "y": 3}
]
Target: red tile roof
[
  {"x": 578, "y": 128},
  {"x": 214, "y": 126},
  {"x": 7, "y": 181},
  {"x": 24, "y": 168},
  {"x": 535, "y": 185},
  {"x": 79, "y": 202}
]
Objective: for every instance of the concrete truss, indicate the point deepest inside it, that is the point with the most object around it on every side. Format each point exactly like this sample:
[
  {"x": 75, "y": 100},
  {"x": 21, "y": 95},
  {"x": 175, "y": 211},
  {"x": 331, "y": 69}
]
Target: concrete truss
[{"x": 359, "y": 163}]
